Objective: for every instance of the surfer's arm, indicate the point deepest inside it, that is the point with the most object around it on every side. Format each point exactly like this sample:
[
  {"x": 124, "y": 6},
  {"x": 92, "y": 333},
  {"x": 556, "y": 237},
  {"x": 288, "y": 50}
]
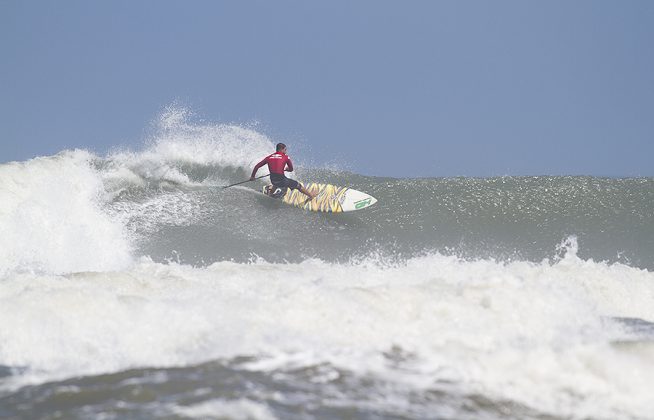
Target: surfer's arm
[
  {"x": 256, "y": 168},
  {"x": 289, "y": 166}
]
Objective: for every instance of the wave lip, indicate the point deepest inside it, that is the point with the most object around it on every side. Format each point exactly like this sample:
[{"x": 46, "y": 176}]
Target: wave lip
[{"x": 177, "y": 147}]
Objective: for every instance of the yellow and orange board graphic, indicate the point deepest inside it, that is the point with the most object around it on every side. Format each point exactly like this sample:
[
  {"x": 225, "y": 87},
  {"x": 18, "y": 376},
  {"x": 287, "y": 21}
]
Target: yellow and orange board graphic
[{"x": 329, "y": 199}]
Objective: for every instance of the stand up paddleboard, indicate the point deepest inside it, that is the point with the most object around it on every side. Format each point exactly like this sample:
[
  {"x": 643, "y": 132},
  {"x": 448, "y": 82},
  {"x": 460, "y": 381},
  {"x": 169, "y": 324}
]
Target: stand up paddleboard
[{"x": 330, "y": 198}]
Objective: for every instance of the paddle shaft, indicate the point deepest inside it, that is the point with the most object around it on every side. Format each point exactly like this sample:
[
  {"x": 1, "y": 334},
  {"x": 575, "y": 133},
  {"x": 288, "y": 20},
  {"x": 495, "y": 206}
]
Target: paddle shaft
[{"x": 243, "y": 182}]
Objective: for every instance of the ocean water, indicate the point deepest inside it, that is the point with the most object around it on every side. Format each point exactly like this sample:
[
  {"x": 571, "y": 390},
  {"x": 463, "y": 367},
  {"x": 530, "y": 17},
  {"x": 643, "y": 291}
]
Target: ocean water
[{"x": 133, "y": 286}]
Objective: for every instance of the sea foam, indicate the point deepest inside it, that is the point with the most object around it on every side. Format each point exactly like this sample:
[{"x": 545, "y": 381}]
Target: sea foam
[
  {"x": 541, "y": 334},
  {"x": 51, "y": 217}
]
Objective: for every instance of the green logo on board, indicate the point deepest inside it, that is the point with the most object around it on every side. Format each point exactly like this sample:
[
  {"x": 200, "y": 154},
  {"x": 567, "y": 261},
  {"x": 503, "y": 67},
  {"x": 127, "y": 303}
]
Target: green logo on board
[{"x": 362, "y": 203}]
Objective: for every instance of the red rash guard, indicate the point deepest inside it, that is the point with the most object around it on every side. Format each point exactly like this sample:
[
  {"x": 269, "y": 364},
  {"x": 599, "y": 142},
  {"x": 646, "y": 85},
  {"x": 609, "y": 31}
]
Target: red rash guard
[{"x": 276, "y": 164}]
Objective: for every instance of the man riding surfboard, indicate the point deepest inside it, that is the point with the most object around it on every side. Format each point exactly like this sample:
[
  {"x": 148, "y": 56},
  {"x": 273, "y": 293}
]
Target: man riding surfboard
[{"x": 279, "y": 162}]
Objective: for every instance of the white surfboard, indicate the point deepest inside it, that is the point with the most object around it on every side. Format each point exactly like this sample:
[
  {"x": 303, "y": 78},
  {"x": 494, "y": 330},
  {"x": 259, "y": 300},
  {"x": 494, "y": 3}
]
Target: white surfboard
[{"x": 330, "y": 198}]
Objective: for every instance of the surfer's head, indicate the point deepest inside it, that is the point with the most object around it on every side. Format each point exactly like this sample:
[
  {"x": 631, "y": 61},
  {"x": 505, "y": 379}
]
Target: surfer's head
[{"x": 281, "y": 147}]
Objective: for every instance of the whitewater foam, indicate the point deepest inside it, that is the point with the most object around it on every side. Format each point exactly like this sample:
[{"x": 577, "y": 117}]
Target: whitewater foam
[
  {"x": 534, "y": 333},
  {"x": 51, "y": 217},
  {"x": 220, "y": 408}
]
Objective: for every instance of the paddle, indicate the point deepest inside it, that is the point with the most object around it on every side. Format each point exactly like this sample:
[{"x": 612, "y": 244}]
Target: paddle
[{"x": 243, "y": 182}]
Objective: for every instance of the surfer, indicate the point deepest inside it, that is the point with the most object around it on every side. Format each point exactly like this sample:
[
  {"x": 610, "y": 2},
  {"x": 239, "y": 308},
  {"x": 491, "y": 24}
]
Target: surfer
[{"x": 279, "y": 162}]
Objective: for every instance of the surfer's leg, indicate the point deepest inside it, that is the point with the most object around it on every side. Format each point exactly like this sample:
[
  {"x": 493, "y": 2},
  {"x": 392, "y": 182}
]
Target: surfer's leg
[
  {"x": 307, "y": 192},
  {"x": 294, "y": 185}
]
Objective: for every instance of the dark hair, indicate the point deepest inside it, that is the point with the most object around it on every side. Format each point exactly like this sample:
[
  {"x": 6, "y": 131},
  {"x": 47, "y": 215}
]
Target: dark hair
[{"x": 280, "y": 146}]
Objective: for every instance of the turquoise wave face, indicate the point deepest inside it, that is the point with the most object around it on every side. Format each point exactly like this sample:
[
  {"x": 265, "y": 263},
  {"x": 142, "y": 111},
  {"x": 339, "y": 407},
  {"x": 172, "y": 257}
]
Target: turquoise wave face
[{"x": 505, "y": 218}]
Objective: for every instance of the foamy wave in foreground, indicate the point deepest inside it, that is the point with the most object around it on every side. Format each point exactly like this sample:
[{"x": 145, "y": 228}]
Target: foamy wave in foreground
[
  {"x": 539, "y": 334},
  {"x": 237, "y": 410}
]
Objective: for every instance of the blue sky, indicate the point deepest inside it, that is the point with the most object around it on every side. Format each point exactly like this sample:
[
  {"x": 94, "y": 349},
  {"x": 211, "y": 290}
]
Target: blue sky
[{"x": 416, "y": 88}]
